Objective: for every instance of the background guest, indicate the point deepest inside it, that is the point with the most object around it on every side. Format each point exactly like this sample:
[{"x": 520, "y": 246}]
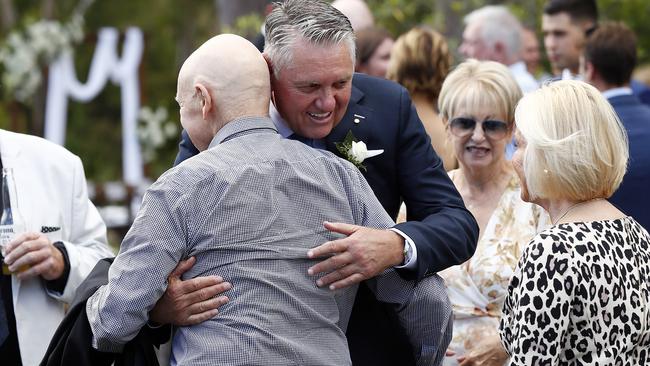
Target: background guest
[
  {"x": 493, "y": 33},
  {"x": 374, "y": 47},
  {"x": 579, "y": 293},
  {"x": 420, "y": 61},
  {"x": 530, "y": 51},
  {"x": 357, "y": 12},
  {"x": 531, "y": 55},
  {"x": 566, "y": 25},
  {"x": 64, "y": 238},
  {"x": 477, "y": 103},
  {"x": 610, "y": 58}
]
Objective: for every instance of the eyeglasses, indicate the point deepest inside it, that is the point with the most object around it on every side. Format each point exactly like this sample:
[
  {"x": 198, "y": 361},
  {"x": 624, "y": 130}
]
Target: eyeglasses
[{"x": 464, "y": 126}]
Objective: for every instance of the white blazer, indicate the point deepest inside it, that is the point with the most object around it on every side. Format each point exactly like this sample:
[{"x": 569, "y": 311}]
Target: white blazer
[{"x": 51, "y": 191}]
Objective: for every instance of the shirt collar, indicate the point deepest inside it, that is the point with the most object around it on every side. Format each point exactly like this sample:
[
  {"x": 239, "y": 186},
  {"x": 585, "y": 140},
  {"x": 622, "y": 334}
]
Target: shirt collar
[
  {"x": 285, "y": 131},
  {"x": 239, "y": 126},
  {"x": 615, "y": 92},
  {"x": 279, "y": 122},
  {"x": 567, "y": 75},
  {"x": 518, "y": 67}
]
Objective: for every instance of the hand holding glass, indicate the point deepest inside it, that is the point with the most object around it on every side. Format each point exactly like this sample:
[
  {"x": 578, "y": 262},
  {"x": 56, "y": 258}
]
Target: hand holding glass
[{"x": 8, "y": 227}]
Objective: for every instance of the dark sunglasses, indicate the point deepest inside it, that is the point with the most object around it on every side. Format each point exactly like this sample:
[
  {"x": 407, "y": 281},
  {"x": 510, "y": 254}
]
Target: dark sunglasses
[{"x": 464, "y": 126}]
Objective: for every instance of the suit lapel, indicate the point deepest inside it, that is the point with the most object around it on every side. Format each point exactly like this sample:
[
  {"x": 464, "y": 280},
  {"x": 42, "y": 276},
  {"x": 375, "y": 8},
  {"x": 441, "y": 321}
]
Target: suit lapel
[{"x": 355, "y": 119}]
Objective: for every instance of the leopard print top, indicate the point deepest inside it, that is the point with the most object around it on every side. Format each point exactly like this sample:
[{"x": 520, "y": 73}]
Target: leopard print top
[{"x": 579, "y": 296}]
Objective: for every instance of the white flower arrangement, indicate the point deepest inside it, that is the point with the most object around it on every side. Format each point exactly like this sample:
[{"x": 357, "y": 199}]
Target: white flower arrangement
[
  {"x": 355, "y": 151},
  {"x": 154, "y": 130},
  {"x": 24, "y": 53},
  {"x": 359, "y": 151}
]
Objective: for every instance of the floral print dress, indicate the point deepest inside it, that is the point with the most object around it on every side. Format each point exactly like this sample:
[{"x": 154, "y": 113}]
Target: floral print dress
[{"x": 477, "y": 288}]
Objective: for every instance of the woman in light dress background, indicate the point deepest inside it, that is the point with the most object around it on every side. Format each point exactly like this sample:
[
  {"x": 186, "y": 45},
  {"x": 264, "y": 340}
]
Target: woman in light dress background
[
  {"x": 477, "y": 104},
  {"x": 420, "y": 62}
]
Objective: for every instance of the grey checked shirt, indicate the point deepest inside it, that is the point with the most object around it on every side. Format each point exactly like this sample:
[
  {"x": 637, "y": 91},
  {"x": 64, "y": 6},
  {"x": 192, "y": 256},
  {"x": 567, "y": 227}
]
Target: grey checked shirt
[{"x": 249, "y": 208}]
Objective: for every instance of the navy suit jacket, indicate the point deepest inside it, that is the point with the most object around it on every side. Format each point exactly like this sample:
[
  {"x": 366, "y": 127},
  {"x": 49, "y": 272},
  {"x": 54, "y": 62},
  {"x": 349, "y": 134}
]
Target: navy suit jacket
[
  {"x": 409, "y": 170},
  {"x": 641, "y": 91},
  {"x": 632, "y": 197}
]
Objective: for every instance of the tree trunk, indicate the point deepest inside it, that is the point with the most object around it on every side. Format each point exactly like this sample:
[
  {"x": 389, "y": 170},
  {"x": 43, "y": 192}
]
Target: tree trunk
[
  {"x": 7, "y": 14},
  {"x": 452, "y": 21},
  {"x": 47, "y": 9}
]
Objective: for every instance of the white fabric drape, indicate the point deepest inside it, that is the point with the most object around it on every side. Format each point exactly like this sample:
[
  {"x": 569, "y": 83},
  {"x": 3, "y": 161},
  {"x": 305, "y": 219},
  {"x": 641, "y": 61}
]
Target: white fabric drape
[{"x": 63, "y": 83}]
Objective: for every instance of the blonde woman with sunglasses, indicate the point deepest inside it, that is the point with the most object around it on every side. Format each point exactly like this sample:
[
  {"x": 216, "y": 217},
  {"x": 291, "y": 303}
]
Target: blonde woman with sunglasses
[{"x": 477, "y": 104}]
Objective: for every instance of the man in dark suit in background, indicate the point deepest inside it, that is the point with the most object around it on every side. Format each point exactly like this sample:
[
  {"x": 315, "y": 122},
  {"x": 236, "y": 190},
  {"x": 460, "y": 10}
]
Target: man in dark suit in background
[
  {"x": 610, "y": 58},
  {"x": 318, "y": 99}
]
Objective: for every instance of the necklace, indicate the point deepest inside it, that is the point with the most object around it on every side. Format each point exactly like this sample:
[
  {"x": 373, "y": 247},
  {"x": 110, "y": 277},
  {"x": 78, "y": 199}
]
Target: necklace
[{"x": 574, "y": 206}]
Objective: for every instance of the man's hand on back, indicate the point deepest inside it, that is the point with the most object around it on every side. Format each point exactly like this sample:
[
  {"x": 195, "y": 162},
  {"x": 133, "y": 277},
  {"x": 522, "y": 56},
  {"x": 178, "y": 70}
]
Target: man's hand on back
[
  {"x": 363, "y": 254},
  {"x": 191, "y": 301}
]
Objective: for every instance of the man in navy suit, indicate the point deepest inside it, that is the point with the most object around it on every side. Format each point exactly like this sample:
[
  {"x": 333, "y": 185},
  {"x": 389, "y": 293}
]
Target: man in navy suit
[
  {"x": 319, "y": 100},
  {"x": 610, "y": 56}
]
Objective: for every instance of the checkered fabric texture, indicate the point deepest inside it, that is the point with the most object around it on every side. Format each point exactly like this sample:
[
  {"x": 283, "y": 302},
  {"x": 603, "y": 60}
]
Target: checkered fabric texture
[{"x": 249, "y": 208}]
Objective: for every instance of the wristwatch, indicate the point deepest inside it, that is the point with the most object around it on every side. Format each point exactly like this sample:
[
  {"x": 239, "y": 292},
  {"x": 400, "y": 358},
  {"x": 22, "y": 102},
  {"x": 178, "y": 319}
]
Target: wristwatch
[{"x": 408, "y": 252}]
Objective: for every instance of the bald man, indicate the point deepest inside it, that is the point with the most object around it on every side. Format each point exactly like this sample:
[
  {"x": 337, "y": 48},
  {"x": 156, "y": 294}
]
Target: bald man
[
  {"x": 249, "y": 206},
  {"x": 357, "y": 12}
]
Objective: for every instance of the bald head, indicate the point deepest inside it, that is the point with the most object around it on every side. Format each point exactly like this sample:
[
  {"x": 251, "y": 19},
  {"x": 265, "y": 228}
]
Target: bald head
[
  {"x": 225, "y": 78},
  {"x": 357, "y": 12}
]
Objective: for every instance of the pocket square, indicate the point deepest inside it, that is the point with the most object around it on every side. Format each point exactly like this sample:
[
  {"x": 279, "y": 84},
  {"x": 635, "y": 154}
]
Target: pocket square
[{"x": 49, "y": 229}]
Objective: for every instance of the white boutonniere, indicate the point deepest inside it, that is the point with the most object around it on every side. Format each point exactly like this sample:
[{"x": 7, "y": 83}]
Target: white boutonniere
[{"x": 355, "y": 151}]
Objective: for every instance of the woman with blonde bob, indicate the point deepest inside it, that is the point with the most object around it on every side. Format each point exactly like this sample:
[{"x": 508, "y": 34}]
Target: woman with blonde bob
[
  {"x": 477, "y": 104},
  {"x": 579, "y": 295}
]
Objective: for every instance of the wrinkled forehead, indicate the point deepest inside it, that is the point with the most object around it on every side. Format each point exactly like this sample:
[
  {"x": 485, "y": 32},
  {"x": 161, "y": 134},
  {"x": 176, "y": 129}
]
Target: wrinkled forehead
[{"x": 328, "y": 58}]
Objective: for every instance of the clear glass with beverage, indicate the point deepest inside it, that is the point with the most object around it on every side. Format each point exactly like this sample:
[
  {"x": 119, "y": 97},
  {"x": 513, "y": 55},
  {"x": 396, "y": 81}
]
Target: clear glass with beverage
[{"x": 10, "y": 223}]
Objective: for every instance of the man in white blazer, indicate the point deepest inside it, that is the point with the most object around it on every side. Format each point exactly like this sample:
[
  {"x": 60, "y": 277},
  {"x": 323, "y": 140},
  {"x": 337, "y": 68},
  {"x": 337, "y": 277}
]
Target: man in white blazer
[{"x": 63, "y": 240}]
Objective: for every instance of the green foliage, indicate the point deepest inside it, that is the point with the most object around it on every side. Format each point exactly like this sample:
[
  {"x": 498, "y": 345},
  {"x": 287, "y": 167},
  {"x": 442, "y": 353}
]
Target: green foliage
[
  {"x": 398, "y": 16},
  {"x": 634, "y": 13},
  {"x": 246, "y": 26}
]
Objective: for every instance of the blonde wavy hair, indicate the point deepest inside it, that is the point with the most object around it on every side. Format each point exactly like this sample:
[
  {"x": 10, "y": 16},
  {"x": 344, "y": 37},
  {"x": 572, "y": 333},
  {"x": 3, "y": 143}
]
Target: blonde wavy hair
[{"x": 420, "y": 61}]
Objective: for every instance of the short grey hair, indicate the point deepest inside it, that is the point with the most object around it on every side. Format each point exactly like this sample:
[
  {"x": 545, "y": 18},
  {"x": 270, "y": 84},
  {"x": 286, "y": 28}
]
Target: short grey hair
[
  {"x": 498, "y": 25},
  {"x": 316, "y": 21}
]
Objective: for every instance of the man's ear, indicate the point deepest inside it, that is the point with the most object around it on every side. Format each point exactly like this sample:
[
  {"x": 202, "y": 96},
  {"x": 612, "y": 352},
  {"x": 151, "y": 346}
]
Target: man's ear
[
  {"x": 500, "y": 50},
  {"x": 271, "y": 74},
  {"x": 269, "y": 64},
  {"x": 206, "y": 100},
  {"x": 590, "y": 71}
]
